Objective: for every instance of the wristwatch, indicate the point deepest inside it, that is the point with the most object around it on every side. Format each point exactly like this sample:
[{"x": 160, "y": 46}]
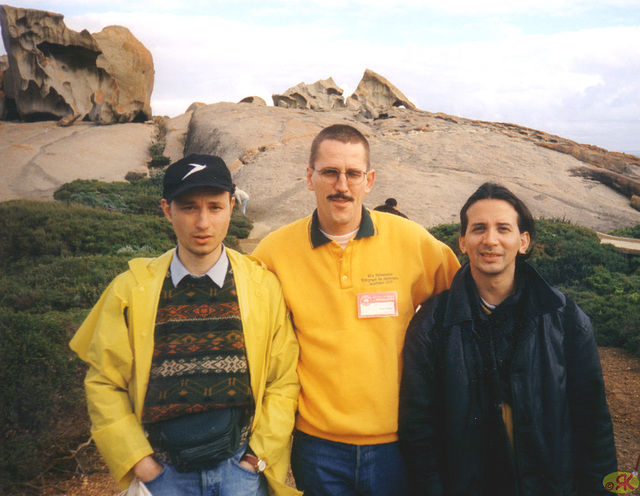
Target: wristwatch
[{"x": 258, "y": 463}]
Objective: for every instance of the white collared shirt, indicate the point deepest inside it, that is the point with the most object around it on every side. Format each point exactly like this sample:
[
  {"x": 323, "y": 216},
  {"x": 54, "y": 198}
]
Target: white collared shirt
[{"x": 217, "y": 273}]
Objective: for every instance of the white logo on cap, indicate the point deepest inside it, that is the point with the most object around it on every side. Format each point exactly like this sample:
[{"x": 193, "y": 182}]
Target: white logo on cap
[{"x": 196, "y": 168}]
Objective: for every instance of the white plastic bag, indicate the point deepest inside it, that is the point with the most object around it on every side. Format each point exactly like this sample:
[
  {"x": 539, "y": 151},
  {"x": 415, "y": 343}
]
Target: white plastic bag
[{"x": 137, "y": 488}]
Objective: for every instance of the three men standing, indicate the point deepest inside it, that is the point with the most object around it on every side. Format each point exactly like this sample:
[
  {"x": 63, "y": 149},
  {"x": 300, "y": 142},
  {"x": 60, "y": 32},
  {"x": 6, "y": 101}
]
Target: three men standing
[
  {"x": 352, "y": 279},
  {"x": 502, "y": 390},
  {"x": 192, "y": 383}
]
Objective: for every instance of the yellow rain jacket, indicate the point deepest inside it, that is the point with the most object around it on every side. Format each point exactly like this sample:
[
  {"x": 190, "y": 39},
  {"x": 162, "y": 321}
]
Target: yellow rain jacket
[{"x": 117, "y": 341}]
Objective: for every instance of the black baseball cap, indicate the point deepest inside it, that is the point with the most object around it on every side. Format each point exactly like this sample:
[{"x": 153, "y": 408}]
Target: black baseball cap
[{"x": 196, "y": 170}]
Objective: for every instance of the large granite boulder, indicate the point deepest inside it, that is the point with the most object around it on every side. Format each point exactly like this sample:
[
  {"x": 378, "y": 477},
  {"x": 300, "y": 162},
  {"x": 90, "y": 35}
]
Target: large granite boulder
[{"x": 60, "y": 74}]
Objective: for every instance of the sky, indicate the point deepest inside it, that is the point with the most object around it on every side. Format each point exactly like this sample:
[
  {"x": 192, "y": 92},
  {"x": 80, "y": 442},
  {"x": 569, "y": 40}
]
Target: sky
[{"x": 566, "y": 67}]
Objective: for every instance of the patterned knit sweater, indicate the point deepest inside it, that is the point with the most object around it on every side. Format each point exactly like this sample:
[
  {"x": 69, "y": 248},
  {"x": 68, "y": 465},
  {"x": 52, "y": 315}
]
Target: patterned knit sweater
[{"x": 199, "y": 360}]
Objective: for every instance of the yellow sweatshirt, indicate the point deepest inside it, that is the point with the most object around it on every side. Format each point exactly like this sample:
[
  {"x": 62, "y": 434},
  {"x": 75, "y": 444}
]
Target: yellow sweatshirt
[{"x": 350, "y": 311}]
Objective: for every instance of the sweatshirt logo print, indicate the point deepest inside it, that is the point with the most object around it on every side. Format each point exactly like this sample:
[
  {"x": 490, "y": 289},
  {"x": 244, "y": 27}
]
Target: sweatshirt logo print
[{"x": 196, "y": 168}]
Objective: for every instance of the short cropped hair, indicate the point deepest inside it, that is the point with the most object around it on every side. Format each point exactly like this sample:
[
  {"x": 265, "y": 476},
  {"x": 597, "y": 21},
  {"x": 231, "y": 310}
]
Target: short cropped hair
[
  {"x": 493, "y": 191},
  {"x": 342, "y": 133}
]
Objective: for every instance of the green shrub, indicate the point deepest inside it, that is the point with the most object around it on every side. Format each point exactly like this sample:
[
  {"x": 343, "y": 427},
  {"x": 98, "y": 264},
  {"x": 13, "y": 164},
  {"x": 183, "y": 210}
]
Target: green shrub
[
  {"x": 61, "y": 283},
  {"x": 567, "y": 254},
  {"x": 627, "y": 232},
  {"x": 138, "y": 196},
  {"x": 37, "y": 229},
  {"x": 41, "y": 381},
  {"x": 449, "y": 234},
  {"x": 158, "y": 160},
  {"x": 239, "y": 228},
  {"x": 615, "y": 317}
]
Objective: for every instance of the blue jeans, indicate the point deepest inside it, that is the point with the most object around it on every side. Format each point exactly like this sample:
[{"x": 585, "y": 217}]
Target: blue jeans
[
  {"x": 243, "y": 207},
  {"x": 327, "y": 468},
  {"x": 227, "y": 478}
]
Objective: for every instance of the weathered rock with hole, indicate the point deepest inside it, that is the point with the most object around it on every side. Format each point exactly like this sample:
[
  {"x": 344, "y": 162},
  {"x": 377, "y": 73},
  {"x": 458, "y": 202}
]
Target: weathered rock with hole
[
  {"x": 375, "y": 94},
  {"x": 60, "y": 74}
]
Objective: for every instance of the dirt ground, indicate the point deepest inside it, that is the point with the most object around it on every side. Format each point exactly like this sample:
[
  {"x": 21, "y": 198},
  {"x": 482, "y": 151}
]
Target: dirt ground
[{"x": 622, "y": 381}]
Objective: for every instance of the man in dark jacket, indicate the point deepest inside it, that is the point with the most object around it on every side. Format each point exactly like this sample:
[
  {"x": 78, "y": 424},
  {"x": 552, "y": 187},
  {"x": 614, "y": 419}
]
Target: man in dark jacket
[{"x": 502, "y": 390}]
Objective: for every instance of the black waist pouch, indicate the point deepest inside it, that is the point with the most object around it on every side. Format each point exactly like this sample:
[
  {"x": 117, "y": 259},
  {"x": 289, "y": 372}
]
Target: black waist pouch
[{"x": 200, "y": 440}]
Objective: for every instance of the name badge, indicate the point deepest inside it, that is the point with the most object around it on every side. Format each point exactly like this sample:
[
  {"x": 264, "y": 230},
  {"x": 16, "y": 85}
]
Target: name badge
[{"x": 371, "y": 305}]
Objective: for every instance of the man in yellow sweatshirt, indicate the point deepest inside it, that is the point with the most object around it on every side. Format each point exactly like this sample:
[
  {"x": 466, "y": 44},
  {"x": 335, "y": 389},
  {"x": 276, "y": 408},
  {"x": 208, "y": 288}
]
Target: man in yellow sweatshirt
[{"x": 352, "y": 279}]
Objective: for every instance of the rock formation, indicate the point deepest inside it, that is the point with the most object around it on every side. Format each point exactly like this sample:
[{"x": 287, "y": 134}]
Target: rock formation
[
  {"x": 374, "y": 94},
  {"x": 372, "y": 97},
  {"x": 254, "y": 100},
  {"x": 56, "y": 73},
  {"x": 324, "y": 94}
]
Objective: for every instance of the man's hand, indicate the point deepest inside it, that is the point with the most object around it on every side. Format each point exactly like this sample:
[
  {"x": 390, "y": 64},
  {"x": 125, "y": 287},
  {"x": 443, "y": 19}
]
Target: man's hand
[
  {"x": 245, "y": 464},
  {"x": 147, "y": 469}
]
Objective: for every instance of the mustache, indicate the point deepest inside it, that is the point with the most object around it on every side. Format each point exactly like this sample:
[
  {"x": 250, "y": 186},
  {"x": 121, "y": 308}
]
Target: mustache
[{"x": 339, "y": 196}]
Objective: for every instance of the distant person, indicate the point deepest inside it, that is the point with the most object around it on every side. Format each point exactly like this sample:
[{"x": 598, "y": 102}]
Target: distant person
[
  {"x": 242, "y": 198},
  {"x": 192, "y": 384},
  {"x": 502, "y": 391},
  {"x": 390, "y": 206},
  {"x": 352, "y": 279}
]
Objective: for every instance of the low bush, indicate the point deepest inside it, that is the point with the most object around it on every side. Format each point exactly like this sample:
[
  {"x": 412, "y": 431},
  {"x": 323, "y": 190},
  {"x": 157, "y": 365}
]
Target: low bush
[
  {"x": 568, "y": 254},
  {"x": 40, "y": 380},
  {"x": 627, "y": 232},
  {"x": 139, "y": 196},
  {"x": 37, "y": 229},
  {"x": 158, "y": 159}
]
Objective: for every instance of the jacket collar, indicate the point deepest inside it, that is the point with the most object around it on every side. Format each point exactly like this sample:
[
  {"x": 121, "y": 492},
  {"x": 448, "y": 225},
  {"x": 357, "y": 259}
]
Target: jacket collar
[
  {"x": 365, "y": 230},
  {"x": 540, "y": 297}
]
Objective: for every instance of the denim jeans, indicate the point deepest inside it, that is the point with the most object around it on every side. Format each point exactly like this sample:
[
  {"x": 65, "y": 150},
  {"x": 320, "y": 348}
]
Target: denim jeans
[
  {"x": 326, "y": 468},
  {"x": 227, "y": 478}
]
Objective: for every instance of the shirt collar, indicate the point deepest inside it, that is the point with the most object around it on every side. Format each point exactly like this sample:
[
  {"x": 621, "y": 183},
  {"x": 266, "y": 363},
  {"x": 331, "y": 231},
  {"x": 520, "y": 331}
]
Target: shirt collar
[
  {"x": 217, "y": 273},
  {"x": 318, "y": 239}
]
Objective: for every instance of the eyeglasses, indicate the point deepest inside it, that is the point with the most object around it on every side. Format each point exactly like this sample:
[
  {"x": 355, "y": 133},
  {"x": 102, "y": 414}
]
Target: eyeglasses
[{"x": 332, "y": 176}]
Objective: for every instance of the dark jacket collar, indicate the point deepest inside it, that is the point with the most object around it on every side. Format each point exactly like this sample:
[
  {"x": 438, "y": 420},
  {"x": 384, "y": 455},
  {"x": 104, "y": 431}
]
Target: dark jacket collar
[
  {"x": 365, "y": 230},
  {"x": 541, "y": 298}
]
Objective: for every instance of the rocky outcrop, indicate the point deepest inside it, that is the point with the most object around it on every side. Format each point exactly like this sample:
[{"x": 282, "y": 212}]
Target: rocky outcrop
[
  {"x": 37, "y": 158},
  {"x": 429, "y": 162},
  {"x": 254, "y": 100},
  {"x": 635, "y": 202},
  {"x": 620, "y": 171},
  {"x": 60, "y": 74},
  {"x": 324, "y": 94},
  {"x": 375, "y": 94}
]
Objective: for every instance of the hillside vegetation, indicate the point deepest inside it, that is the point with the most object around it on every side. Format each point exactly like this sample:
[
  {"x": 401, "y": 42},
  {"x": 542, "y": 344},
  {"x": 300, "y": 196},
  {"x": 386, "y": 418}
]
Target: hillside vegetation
[{"x": 57, "y": 257}]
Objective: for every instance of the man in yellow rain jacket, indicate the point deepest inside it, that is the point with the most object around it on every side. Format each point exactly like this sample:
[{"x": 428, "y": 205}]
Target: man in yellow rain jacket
[{"x": 192, "y": 384}]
